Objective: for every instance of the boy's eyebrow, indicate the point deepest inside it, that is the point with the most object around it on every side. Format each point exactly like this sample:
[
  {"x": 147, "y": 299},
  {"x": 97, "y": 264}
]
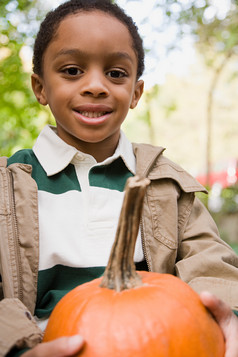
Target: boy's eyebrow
[{"x": 77, "y": 52}]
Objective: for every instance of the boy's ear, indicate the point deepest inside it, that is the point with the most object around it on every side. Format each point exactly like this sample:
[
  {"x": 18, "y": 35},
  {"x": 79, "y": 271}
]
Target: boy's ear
[
  {"x": 139, "y": 88},
  {"x": 38, "y": 88}
]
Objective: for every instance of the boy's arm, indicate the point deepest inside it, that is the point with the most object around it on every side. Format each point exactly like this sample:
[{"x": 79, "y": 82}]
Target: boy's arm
[
  {"x": 205, "y": 261},
  {"x": 18, "y": 327},
  {"x": 20, "y": 335}
]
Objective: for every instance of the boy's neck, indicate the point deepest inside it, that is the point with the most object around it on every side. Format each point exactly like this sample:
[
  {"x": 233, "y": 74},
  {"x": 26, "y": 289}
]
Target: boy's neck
[
  {"x": 100, "y": 150},
  {"x": 100, "y": 154}
]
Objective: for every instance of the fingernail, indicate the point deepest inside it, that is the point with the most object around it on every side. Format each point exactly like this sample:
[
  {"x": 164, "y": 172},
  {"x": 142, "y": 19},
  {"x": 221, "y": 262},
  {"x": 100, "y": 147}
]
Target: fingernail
[{"x": 206, "y": 293}]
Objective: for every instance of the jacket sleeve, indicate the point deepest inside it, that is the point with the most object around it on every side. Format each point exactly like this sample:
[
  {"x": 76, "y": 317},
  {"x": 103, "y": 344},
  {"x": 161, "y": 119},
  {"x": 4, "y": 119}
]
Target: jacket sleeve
[
  {"x": 205, "y": 261},
  {"x": 27, "y": 334}
]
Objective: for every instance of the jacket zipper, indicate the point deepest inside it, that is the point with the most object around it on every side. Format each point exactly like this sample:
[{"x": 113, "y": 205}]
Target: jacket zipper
[
  {"x": 143, "y": 244},
  {"x": 16, "y": 239}
]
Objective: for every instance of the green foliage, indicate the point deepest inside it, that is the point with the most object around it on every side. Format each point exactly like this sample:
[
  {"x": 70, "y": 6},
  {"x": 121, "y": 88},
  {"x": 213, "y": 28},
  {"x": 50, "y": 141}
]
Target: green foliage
[
  {"x": 229, "y": 197},
  {"x": 21, "y": 117},
  {"x": 226, "y": 215},
  {"x": 234, "y": 246},
  {"x": 148, "y": 98},
  {"x": 214, "y": 33},
  {"x": 203, "y": 197}
]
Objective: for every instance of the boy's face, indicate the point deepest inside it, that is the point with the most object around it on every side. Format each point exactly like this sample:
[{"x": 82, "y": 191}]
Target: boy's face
[{"x": 89, "y": 81}]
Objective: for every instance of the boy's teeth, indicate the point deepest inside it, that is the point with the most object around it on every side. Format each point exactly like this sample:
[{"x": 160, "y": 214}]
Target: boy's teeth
[{"x": 92, "y": 114}]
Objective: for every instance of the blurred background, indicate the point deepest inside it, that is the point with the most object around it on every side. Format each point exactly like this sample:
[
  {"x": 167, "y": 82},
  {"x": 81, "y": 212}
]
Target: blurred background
[{"x": 190, "y": 102}]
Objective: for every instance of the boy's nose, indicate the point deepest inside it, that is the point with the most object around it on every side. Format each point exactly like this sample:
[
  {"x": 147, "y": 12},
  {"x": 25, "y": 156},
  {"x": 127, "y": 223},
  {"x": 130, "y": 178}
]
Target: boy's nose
[{"x": 94, "y": 84}]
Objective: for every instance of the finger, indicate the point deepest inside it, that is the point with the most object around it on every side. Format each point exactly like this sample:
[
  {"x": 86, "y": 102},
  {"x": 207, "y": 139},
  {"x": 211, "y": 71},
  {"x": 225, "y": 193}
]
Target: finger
[
  {"x": 217, "y": 307},
  {"x": 61, "y": 347}
]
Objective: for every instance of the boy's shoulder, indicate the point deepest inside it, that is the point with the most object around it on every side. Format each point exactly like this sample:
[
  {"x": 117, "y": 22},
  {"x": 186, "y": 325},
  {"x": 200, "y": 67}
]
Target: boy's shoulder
[
  {"x": 151, "y": 162},
  {"x": 24, "y": 156}
]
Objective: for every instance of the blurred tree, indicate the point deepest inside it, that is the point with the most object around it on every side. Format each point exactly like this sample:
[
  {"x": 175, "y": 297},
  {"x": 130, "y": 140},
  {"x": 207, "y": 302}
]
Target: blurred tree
[
  {"x": 21, "y": 117},
  {"x": 149, "y": 97},
  {"x": 215, "y": 32}
]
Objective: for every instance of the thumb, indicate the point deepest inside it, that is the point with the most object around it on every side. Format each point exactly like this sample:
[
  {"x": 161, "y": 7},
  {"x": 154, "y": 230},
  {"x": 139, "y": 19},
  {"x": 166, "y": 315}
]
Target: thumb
[
  {"x": 221, "y": 312},
  {"x": 61, "y": 347},
  {"x": 72, "y": 344}
]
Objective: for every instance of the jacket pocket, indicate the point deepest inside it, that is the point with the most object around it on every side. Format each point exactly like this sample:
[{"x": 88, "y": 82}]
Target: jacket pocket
[{"x": 162, "y": 200}]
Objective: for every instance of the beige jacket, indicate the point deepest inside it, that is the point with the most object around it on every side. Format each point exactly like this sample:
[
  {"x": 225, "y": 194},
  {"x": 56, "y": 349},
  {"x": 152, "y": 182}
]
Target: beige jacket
[{"x": 178, "y": 236}]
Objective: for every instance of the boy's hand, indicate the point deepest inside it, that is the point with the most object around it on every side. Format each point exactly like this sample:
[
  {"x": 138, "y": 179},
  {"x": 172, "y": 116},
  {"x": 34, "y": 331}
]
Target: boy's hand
[
  {"x": 226, "y": 319},
  {"x": 61, "y": 347}
]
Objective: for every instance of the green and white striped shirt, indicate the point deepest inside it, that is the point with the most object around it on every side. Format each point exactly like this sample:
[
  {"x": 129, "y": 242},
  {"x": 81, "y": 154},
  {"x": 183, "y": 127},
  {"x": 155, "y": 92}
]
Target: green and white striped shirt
[{"x": 79, "y": 206}]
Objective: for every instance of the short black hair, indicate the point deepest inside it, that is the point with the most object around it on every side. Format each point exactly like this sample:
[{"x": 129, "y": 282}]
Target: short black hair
[{"x": 53, "y": 19}]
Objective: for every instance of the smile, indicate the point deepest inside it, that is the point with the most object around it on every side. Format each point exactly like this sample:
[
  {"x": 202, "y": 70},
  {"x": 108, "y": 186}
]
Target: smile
[
  {"x": 92, "y": 117},
  {"x": 92, "y": 114}
]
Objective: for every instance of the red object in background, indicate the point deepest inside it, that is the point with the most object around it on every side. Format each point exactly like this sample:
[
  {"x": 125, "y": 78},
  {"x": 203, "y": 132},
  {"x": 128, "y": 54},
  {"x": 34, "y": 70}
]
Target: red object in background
[{"x": 225, "y": 173}]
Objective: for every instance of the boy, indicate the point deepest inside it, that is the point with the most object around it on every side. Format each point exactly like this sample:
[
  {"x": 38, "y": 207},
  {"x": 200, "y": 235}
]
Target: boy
[{"x": 88, "y": 60}]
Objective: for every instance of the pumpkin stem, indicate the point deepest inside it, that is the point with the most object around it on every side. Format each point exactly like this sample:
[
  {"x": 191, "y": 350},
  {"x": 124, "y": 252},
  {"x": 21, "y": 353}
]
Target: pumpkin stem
[{"x": 120, "y": 273}]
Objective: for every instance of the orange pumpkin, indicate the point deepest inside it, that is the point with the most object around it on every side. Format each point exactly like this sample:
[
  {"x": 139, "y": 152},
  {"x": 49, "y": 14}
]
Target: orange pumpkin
[{"x": 135, "y": 314}]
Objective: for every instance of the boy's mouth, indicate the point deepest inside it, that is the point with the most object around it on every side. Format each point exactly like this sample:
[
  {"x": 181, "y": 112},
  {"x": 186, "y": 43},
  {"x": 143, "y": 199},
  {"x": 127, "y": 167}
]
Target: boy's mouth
[
  {"x": 93, "y": 111},
  {"x": 92, "y": 114}
]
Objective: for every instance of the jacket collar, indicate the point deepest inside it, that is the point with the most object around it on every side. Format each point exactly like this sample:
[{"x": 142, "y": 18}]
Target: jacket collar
[{"x": 146, "y": 156}]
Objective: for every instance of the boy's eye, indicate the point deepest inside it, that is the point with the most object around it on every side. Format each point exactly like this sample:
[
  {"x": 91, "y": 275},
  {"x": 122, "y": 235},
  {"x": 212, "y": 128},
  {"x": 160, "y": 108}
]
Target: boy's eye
[
  {"x": 116, "y": 74},
  {"x": 72, "y": 71}
]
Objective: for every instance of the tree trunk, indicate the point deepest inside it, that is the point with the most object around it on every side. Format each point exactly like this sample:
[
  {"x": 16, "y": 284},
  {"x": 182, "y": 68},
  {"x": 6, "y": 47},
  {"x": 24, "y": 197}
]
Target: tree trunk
[{"x": 210, "y": 105}]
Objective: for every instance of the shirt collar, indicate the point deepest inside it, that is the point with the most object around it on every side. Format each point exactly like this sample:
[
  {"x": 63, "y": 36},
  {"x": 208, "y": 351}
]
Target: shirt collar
[{"x": 55, "y": 155}]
